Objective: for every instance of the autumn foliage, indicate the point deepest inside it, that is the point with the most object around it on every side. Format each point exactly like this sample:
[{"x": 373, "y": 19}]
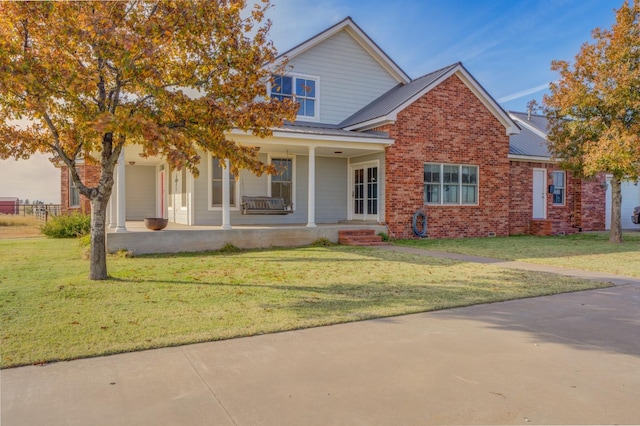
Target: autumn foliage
[
  {"x": 81, "y": 80},
  {"x": 594, "y": 108}
]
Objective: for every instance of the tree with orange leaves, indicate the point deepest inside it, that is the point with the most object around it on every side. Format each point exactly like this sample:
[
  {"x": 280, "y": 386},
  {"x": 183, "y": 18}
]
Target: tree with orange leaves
[
  {"x": 81, "y": 80},
  {"x": 594, "y": 109}
]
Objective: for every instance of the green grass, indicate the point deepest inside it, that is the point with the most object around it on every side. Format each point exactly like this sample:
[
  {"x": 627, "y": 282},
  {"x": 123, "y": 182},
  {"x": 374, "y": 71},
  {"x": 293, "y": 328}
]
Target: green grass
[
  {"x": 588, "y": 251},
  {"x": 50, "y": 311}
]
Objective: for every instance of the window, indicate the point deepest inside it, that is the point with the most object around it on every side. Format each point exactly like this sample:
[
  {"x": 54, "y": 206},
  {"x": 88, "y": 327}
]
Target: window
[
  {"x": 450, "y": 184},
  {"x": 183, "y": 188},
  {"x": 282, "y": 182},
  {"x": 216, "y": 184},
  {"x": 300, "y": 89},
  {"x": 74, "y": 194},
  {"x": 558, "y": 188}
]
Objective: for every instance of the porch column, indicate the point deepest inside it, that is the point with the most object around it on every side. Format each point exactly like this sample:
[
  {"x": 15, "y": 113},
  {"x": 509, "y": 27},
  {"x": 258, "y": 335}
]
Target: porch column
[
  {"x": 311, "y": 213},
  {"x": 120, "y": 194},
  {"x": 226, "y": 203},
  {"x": 111, "y": 207}
]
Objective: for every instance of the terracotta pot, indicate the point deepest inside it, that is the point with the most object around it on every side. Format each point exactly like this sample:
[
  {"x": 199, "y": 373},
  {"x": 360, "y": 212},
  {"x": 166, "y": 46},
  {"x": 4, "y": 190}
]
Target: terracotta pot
[{"x": 155, "y": 223}]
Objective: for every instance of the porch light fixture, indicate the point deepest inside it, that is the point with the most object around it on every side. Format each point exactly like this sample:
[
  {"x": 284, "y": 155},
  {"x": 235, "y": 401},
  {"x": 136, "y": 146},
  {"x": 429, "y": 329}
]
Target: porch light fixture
[
  {"x": 131, "y": 163},
  {"x": 603, "y": 184}
]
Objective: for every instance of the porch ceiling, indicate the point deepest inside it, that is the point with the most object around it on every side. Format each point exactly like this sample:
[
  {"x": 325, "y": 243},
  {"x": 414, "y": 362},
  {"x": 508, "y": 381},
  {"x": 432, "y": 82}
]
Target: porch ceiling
[{"x": 333, "y": 149}]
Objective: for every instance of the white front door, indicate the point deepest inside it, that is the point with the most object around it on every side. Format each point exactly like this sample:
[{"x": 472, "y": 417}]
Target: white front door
[
  {"x": 539, "y": 194},
  {"x": 364, "y": 192}
]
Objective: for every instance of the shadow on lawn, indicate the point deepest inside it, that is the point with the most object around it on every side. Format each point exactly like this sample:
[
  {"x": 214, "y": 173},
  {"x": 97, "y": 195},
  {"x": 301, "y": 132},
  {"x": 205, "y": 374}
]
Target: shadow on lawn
[{"x": 602, "y": 320}]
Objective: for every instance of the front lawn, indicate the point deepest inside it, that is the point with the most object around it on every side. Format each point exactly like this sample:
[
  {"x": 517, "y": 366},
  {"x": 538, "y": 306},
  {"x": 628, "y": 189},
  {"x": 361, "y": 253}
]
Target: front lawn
[
  {"x": 50, "y": 311},
  {"x": 588, "y": 251}
]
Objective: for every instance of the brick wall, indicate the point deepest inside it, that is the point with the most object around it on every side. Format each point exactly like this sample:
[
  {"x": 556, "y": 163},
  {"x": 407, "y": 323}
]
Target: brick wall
[
  {"x": 583, "y": 208},
  {"x": 90, "y": 175},
  {"x": 447, "y": 125},
  {"x": 593, "y": 203}
]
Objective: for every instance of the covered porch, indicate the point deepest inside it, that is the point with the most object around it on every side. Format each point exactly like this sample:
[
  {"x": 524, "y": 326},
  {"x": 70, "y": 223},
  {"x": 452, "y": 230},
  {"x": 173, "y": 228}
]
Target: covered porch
[
  {"x": 184, "y": 238},
  {"x": 335, "y": 176}
]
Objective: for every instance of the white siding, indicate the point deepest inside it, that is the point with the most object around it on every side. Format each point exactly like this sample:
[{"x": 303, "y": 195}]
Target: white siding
[
  {"x": 140, "y": 192},
  {"x": 331, "y": 189},
  {"x": 349, "y": 77},
  {"x": 630, "y": 199},
  {"x": 331, "y": 195}
]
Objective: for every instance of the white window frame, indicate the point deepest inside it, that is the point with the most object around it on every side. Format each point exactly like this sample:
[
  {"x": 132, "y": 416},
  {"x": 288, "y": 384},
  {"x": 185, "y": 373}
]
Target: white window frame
[
  {"x": 211, "y": 207},
  {"x": 295, "y": 76},
  {"x": 284, "y": 156},
  {"x": 460, "y": 184},
  {"x": 564, "y": 187}
]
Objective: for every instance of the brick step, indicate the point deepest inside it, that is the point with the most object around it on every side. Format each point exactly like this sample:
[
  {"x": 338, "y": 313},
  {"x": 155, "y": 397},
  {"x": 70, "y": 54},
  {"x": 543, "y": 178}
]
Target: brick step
[
  {"x": 362, "y": 243},
  {"x": 360, "y": 237},
  {"x": 356, "y": 232}
]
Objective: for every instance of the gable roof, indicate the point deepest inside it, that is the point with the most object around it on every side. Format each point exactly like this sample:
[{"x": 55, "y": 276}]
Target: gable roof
[
  {"x": 532, "y": 140},
  {"x": 360, "y": 37},
  {"x": 386, "y": 104},
  {"x": 385, "y": 109},
  {"x": 537, "y": 123}
]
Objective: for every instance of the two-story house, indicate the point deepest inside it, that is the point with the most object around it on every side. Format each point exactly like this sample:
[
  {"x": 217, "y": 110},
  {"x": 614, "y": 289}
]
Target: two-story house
[{"x": 370, "y": 145}]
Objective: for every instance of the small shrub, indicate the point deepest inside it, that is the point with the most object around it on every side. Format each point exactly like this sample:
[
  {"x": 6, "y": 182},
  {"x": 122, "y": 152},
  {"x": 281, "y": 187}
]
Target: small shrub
[
  {"x": 384, "y": 236},
  {"x": 322, "y": 242},
  {"x": 68, "y": 226},
  {"x": 229, "y": 248}
]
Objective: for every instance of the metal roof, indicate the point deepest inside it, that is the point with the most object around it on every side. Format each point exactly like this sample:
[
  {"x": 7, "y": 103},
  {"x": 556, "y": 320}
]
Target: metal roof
[
  {"x": 528, "y": 142},
  {"x": 539, "y": 122},
  {"x": 395, "y": 97},
  {"x": 327, "y": 130}
]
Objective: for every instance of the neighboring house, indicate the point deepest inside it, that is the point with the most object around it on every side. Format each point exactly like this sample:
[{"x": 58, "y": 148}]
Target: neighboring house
[
  {"x": 9, "y": 205},
  {"x": 370, "y": 145},
  {"x": 546, "y": 200}
]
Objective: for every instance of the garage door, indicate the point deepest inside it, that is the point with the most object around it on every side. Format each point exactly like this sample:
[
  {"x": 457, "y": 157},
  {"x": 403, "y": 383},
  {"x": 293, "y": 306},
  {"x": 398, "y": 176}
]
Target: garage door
[{"x": 630, "y": 199}]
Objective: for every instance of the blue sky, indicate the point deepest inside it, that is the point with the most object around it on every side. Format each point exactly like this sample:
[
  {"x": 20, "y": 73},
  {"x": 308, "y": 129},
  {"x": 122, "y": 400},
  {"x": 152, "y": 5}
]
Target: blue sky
[{"x": 508, "y": 46}]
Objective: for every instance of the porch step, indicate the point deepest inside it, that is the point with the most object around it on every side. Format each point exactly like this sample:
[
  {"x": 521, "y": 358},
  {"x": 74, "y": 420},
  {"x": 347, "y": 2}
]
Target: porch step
[{"x": 360, "y": 237}]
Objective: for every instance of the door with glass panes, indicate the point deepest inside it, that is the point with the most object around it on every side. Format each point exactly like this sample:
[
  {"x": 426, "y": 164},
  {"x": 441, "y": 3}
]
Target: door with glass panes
[{"x": 364, "y": 192}]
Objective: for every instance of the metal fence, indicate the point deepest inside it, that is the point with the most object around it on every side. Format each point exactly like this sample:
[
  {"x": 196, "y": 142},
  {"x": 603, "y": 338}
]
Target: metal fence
[{"x": 42, "y": 212}]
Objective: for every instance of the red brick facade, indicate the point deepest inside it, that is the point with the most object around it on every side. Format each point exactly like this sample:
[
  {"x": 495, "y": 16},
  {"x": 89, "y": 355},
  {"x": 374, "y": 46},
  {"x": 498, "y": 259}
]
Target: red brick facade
[
  {"x": 449, "y": 124},
  {"x": 583, "y": 209},
  {"x": 89, "y": 176}
]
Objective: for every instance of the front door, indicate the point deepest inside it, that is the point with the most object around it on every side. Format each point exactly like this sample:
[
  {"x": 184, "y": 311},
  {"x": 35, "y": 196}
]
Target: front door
[
  {"x": 539, "y": 194},
  {"x": 364, "y": 195}
]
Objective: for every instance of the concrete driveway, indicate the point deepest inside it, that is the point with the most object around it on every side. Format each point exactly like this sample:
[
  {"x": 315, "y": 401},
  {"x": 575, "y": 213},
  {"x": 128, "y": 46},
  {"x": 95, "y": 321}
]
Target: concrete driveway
[{"x": 564, "y": 359}]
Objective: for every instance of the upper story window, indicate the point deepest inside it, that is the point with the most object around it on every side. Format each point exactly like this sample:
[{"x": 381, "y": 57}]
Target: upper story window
[
  {"x": 450, "y": 184},
  {"x": 302, "y": 89},
  {"x": 558, "y": 179}
]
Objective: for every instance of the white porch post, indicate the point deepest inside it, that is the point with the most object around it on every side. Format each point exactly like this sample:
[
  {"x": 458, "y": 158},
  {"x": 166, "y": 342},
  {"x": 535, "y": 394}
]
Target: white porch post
[
  {"x": 120, "y": 194},
  {"x": 226, "y": 203},
  {"x": 311, "y": 217},
  {"x": 111, "y": 207}
]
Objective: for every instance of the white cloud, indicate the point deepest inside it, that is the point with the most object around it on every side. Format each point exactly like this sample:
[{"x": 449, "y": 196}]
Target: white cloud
[{"x": 524, "y": 93}]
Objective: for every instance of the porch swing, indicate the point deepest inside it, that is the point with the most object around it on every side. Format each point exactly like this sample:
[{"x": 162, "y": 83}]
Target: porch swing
[{"x": 265, "y": 205}]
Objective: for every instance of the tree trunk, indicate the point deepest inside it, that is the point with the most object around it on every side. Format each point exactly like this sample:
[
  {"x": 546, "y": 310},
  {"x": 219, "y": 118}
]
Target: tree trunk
[
  {"x": 615, "y": 233},
  {"x": 98, "y": 266}
]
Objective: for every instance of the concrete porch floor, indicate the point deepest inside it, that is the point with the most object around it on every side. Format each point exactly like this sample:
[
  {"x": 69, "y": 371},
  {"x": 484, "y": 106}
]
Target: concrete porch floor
[{"x": 177, "y": 237}]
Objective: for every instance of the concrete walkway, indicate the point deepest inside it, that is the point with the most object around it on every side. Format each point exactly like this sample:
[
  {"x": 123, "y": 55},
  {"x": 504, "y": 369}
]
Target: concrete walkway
[{"x": 564, "y": 359}]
